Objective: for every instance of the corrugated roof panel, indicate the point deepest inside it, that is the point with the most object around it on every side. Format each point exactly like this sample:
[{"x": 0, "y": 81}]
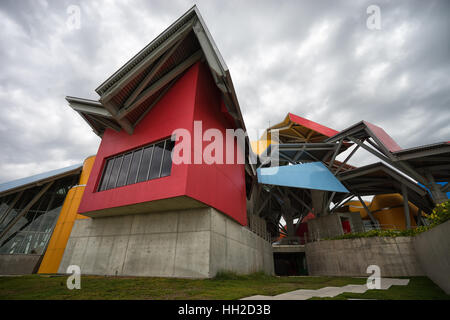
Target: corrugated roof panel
[{"x": 134, "y": 115}]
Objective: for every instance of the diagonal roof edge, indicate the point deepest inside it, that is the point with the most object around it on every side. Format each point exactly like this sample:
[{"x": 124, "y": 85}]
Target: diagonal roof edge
[
  {"x": 434, "y": 148},
  {"x": 385, "y": 141},
  {"x": 88, "y": 106},
  {"x": 93, "y": 112},
  {"x": 399, "y": 176},
  {"x": 28, "y": 182},
  {"x": 128, "y": 66},
  {"x": 419, "y": 194},
  {"x": 312, "y": 125}
]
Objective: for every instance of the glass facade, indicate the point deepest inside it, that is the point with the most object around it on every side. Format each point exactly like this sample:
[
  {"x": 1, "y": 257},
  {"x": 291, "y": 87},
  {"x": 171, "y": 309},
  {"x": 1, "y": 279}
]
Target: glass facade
[
  {"x": 30, "y": 234},
  {"x": 146, "y": 163}
]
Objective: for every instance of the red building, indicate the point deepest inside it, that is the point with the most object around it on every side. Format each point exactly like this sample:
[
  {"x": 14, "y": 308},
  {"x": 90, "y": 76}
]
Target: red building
[
  {"x": 151, "y": 215},
  {"x": 193, "y": 97}
]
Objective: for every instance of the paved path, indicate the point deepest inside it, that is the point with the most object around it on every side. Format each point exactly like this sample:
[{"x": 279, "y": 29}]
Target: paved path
[{"x": 329, "y": 292}]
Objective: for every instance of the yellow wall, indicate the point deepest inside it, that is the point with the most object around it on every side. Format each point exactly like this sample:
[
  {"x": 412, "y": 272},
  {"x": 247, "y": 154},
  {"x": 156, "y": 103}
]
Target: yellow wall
[
  {"x": 66, "y": 219},
  {"x": 388, "y": 210},
  {"x": 356, "y": 206}
]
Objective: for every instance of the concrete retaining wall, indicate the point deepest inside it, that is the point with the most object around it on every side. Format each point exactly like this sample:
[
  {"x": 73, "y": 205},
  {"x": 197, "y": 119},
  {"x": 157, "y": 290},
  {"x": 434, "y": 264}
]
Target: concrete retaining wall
[
  {"x": 351, "y": 257},
  {"x": 331, "y": 226},
  {"x": 433, "y": 252},
  {"x": 193, "y": 243},
  {"x": 19, "y": 263}
]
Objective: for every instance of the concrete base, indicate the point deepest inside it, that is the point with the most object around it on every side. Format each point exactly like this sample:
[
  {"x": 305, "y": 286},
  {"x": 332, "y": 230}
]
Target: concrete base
[
  {"x": 433, "y": 251},
  {"x": 14, "y": 264},
  {"x": 194, "y": 243},
  {"x": 330, "y": 226},
  {"x": 351, "y": 257}
]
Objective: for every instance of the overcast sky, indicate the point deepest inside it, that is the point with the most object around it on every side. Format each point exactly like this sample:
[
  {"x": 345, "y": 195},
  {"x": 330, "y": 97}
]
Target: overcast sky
[{"x": 316, "y": 59}]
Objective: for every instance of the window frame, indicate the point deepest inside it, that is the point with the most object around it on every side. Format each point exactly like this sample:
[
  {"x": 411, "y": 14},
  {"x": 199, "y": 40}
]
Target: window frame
[{"x": 104, "y": 186}]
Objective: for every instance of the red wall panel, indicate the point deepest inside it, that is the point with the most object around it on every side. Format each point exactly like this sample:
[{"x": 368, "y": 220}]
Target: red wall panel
[
  {"x": 174, "y": 110},
  {"x": 222, "y": 185},
  {"x": 193, "y": 97}
]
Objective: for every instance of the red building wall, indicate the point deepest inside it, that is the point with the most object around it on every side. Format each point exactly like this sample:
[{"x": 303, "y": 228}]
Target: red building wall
[
  {"x": 193, "y": 97},
  {"x": 221, "y": 186}
]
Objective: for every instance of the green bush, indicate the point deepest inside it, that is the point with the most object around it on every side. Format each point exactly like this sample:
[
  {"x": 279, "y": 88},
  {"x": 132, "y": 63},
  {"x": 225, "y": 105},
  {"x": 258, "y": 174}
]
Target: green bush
[{"x": 440, "y": 214}]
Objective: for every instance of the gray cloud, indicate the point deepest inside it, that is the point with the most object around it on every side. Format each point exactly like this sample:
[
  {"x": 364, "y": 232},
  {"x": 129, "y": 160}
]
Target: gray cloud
[{"x": 316, "y": 59}]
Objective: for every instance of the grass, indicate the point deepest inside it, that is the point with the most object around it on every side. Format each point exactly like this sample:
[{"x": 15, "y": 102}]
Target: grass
[
  {"x": 418, "y": 288},
  {"x": 225, "y": 286}
]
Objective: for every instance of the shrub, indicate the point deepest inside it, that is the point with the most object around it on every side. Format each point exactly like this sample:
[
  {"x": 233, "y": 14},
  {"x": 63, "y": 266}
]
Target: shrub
[{"x": 440, "y": 214}]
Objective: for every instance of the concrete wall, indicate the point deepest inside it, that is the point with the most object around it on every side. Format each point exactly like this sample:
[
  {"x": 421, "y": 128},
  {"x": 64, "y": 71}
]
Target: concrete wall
[
  {"x": 330, "y": 226},
  {"x": 351, "y": 257},
  {"x": 191, "y": 243},
  {"x": 19, "y": 263},
  {"x": 433, "y": 252}
]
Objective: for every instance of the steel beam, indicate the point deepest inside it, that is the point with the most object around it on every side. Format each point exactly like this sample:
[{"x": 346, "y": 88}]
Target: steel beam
[
  {"x": 406, "y": 206},
  {"x": 11, "y": 206},
  {"x": 161, "y": 83},
  {"x": 438, "y": 195},
  {"x": 341, "y": 203},
  {"x": 142, "y": 116},
  {"x": 346, "y": 159},
  {"x": 293, "y": 195},
  {"x": 89, "y": 109},
  {"x": 152, "y": 72},
  {"x": 105, "y": 122},
  {"x": 26, "y": 208},
  {"x": 335, "y": 154},
  {"x": 147, "y": 61},
  {"x": 398, "y": 165},
  {"x": 372, "y": 218},
  {"x": 124, "y": 123}
]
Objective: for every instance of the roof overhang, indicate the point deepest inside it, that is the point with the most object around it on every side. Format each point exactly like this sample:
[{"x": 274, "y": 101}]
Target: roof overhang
[
  {"x": 38, "y": 180},
  {"x": 131, "y": 92},
  {"x": 432, "y": 159},
  {"x": 378, "y": 178},
  {"x": 295, "y": 129},
  {"x": 364, "y": 131}
]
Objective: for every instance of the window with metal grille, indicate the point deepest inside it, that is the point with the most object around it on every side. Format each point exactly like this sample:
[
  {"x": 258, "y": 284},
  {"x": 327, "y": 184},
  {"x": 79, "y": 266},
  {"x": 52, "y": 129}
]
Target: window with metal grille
[{"x": 142, "y": 164}]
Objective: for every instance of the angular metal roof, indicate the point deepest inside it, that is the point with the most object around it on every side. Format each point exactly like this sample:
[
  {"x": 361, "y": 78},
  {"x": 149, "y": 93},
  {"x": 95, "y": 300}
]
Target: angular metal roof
[
  {"x": 364, "y": 130},
  {"x": 297, "y": 129},
  {"x": 132, "y": 91},
  {"x": 432, "y": 159},
  {"x": 378, "y": 178},
  {"x": 41, "y": 178}
]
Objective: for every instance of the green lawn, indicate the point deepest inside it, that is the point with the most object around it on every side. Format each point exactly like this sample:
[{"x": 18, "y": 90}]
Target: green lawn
[{"x": 226, "y": 287}]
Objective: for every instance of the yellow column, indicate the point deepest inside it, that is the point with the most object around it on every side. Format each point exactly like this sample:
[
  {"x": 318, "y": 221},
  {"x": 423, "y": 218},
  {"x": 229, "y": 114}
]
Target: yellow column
[{"x": 66, "y": 219}]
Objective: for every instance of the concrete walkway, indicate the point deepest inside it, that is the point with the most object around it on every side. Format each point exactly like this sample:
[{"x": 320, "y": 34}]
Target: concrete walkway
[{"x": 329, "y": 292}]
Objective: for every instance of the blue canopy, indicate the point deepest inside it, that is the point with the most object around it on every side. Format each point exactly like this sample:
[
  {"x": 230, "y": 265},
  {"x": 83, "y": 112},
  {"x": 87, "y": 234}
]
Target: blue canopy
[{"x": 313, "y": 175}]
